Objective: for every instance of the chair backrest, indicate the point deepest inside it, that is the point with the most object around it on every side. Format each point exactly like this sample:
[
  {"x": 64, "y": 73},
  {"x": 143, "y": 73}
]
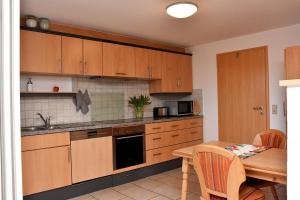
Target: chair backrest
[
  {"x": 220, "y": 172},
  {"x": 271, "y": 138}
]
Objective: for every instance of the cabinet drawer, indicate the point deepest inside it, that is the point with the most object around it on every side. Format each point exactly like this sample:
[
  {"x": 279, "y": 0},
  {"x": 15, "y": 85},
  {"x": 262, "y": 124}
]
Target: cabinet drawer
[
  {"x": 194, "y": 133},
  {"x": 45, "y": 141},
  {"x": 157, "y": 140},
  {"x": 155, "y": 128},
  {"x": 166, "y": 153},
  {"x": 193, "y": 123},
  {"x": 174, "y": 125}
]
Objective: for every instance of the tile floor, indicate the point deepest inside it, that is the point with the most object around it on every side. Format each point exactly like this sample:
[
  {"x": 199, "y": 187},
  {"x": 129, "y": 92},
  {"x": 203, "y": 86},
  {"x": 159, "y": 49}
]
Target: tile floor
[{"x": 164, "y": 186}]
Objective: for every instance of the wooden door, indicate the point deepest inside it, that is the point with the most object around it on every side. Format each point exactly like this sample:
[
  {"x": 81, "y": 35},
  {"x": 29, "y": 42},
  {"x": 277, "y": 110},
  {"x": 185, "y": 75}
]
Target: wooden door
[
  {"x": 156, "y": 62},
  {"x": 118, "y": 60},
  {"x": 46, "y": 169},
  {"x": 242, "y": 94},
  {"x": 292, "y": 62},
  {"x": 185, "y": 73},
  {"x": 72, "y": 56},
  {"x": 40, "y": 53},
  {"x": 92, "y": 55},
  {"x": 91, "y": 158},
  {"x": 142, "y": 65}
]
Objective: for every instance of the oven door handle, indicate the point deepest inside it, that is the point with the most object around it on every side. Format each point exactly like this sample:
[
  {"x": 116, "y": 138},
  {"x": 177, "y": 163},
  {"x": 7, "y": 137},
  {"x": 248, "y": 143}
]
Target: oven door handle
[{"x": 127, "y": 137}]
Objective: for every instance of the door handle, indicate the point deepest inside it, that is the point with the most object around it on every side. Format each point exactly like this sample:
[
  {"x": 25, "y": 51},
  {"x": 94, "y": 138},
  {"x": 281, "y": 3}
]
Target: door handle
[{"x": 260, "y": 109}]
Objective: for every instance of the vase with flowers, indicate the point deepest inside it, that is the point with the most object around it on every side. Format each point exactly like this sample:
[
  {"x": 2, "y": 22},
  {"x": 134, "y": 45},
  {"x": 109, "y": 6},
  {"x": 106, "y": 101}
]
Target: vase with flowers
[{"x": 138, "y": 104}]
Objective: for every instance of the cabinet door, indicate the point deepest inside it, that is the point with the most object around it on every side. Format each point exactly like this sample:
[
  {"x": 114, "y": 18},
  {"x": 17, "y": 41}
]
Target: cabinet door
[
  {"x": 46, "y": 169},
  {"x": 156, "y": 62},
  {"x": 92, "y": 54},
  {"x": 185, "y": 73},
  {"x": 142, "y": 66},
  {"x": 292, "y": 62},
  {"x": 91, "y": 158},
  {"x": 72, "y": 56},
  {"x": 171, "y": 73},
  {"x": 118, "y": 60},
  {"x": 40, "y": 53}
]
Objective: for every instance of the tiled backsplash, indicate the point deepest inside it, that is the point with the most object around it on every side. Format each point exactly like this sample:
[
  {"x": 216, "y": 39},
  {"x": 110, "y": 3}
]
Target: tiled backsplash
[{"x": 109, "y": 101}]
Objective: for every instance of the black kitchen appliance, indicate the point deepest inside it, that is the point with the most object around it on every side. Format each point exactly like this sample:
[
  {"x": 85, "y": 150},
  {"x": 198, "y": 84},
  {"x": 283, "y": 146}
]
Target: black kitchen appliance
[
  {"x": 129, "y": 146},
  {"x": 180, "y": 108}
]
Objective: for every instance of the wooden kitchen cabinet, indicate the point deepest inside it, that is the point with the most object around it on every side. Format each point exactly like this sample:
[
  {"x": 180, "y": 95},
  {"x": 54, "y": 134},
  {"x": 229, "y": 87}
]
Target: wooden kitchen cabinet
[
  {"x": 40, "y": 53},
  {"x": 91, "y": 158},
  {"x": 46, "y": 169},
  {"x": 148, "y": 63},
  {"x": 72, "y": 57},
  {"x": 292, "y": 62},
  {"x": 176, "y": 75},
  {"x": 118, "y": 60},
  {"x": 81, "y": 57}
]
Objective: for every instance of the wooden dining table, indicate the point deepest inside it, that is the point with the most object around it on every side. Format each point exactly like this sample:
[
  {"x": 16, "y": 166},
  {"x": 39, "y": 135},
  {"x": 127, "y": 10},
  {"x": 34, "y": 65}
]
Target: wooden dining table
[{"x": 269, "y": 165}]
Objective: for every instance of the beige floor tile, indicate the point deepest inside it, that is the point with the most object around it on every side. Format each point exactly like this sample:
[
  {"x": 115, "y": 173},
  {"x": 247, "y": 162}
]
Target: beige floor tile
[
  {"x": 147, "y": 183},
  {"x": 127, "y": 198},
  {"x": 171, "y": 181},
  {"x": 168, "y": 191},
  {"x": 194, "y": 188},
  {"x": 161, "y": 198},
  {"x": 123, "y": 186},
  {"x": 138, "y": 193},
  {"x": 83, "y": 197},
  {"x": 157, "y": 176},
  {"x": 192, "y": 196},
  {"x": 107, "y": 194}
]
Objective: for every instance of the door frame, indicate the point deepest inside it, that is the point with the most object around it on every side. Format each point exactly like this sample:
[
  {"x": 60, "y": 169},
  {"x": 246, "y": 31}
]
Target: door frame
[{"x": 266, "y": 82}]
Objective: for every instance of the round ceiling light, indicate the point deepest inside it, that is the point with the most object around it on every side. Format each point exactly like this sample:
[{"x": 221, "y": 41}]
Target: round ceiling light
[{"x": 182, "y": 9}]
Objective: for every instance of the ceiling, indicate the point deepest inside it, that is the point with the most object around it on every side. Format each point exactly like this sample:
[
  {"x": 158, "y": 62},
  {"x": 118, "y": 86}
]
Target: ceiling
[{"x": 215, "y": 19}]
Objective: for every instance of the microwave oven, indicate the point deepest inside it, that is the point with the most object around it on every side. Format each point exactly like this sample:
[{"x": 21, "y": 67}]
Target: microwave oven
[{"x": 180, "y": 108}]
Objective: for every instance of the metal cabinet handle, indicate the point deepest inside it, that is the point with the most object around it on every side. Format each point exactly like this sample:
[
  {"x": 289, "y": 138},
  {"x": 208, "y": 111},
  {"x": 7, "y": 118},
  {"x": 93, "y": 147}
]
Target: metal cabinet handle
[
  {"x": 157, "y": 154},
  {"x": 120, "y": 73},
  {"x": 174, "y": 126},
  {"x": 69, "y": 154},
  {"x": 260, "y": 109},
  {"x": 193, "y": 132},
  {"x": 175, "y": 135},
  {"x": 158, "y": 138},
  {"x": 156, "y": 128}
]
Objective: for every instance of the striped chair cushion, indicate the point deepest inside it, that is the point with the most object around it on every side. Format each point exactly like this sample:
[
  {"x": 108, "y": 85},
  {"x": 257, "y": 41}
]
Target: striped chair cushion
[
  {"x": 246, "y": 193},
  {"x": 215, "y": 170},
  {"x": 271, "y": 140}
]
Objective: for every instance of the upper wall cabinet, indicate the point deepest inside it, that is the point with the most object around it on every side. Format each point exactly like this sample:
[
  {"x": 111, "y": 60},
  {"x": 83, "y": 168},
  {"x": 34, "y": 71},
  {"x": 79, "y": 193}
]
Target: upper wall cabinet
[
  {"x": 40, "y": 53},
  {"x": 118, "y": 60},
  {"x": 292, "y": 62},
  {"x": 176, "y": 75},
  {"x": 148, "y": 63},
  {"x": 81, "y": 57}
]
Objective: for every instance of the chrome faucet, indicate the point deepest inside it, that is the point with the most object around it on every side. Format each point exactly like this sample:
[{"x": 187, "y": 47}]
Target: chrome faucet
[{"x": 45, "y": 120}]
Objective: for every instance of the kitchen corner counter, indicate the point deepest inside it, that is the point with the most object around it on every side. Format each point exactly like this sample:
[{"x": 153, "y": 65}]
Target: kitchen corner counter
[{"x": 104, "y": 124}]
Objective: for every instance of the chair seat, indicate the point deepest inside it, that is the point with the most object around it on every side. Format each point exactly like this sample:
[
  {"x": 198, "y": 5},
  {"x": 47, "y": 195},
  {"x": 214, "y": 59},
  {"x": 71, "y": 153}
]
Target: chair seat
[{"x": 246, "y": 193}]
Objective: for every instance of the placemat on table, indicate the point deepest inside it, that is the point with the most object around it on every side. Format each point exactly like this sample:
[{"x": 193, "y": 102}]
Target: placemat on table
[{"x": 246, "y": 150}]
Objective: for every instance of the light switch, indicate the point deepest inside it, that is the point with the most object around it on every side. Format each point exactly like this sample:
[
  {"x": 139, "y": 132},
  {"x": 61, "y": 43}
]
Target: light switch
[{"x": 274, "y": 110}]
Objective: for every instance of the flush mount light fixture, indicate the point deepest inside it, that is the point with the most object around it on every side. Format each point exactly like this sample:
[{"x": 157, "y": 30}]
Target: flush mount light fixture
[{"x": 182, "y": 9}]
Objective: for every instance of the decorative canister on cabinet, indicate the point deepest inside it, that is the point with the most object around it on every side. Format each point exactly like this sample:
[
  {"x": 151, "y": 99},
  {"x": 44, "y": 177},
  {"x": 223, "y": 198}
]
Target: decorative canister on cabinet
[
  {"x": 31, "y": 21},
  {"x": 44, "y": 23}
]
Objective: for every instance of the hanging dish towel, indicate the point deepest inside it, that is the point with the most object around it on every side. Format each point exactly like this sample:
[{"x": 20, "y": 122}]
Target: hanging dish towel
[{"x": 82, "y": 101}]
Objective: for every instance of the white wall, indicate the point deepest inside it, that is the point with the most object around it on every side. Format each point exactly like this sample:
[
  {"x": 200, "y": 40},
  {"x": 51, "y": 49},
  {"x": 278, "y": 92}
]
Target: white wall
[{"x": 205, "y": 71}]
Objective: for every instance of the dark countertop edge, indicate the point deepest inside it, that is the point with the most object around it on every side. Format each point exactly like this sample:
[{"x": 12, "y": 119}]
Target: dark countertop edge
[{"x": 147, "y": 120}]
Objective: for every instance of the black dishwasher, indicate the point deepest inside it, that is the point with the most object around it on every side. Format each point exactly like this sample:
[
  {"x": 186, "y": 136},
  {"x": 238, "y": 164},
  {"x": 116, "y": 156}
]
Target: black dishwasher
[{"x": 129, "y": 146}]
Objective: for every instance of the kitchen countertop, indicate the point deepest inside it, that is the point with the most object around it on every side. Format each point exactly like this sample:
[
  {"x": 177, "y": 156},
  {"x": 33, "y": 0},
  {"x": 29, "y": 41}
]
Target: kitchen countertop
[{"x": 104, "y": 124}]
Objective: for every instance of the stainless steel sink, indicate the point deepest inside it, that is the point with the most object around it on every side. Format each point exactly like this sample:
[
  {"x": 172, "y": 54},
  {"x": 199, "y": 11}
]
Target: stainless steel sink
[{"x": 37, "y": 128}]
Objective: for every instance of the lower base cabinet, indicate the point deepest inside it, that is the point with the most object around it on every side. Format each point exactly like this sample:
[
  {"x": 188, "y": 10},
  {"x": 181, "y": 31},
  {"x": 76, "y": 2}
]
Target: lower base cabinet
[
  {"x": 91, "y": 158},
  {"x": 46, "y": 169}
]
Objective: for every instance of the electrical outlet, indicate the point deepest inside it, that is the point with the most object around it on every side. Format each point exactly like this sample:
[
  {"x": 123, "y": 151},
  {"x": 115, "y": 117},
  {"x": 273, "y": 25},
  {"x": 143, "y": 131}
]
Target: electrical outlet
[{"x": 274, "y": 110}]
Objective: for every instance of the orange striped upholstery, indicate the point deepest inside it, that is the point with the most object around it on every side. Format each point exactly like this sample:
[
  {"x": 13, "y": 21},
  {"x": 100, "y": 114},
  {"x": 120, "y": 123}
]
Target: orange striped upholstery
[
  {"x": 215, "y": 170},
  {"x": 271, "y": 140},
  {"x": 246, "y": 193}
]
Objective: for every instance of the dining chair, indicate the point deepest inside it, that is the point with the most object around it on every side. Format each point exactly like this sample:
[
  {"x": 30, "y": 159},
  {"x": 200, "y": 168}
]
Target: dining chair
[
  {"x": 221, "y": 175},
  {"x": 271, "y": 138}
]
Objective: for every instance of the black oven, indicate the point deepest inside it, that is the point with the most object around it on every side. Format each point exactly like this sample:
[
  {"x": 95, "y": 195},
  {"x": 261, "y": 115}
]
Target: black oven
[{"x": 129, "y": 146}]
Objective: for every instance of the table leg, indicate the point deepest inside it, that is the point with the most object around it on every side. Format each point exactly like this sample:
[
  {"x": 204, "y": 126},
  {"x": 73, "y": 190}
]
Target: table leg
[{"x": 185, "y": 178}]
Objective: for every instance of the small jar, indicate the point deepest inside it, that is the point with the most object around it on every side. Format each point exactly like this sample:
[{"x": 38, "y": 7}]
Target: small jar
[
  {"x": 44, "y": 23},
  {"x": 31, "y": 21}
]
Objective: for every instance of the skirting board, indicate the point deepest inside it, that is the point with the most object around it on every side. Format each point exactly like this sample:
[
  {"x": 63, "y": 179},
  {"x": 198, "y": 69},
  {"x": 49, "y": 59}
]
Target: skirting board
[{"x": 104, "y": 182}]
